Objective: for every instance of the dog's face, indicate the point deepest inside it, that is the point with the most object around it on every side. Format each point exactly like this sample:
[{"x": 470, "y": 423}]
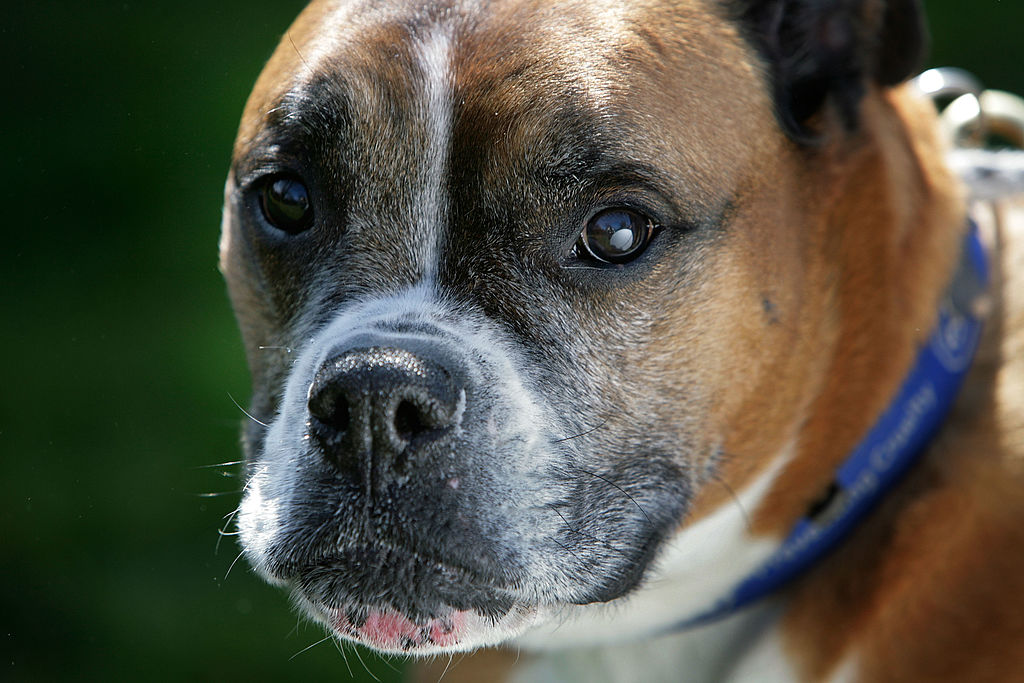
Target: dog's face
[{"x": 517, "y": 283}]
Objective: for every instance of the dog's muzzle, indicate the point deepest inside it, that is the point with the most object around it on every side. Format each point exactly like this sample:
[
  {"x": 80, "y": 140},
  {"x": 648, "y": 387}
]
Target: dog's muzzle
[
  {"x": 384, "y": 417},
  {"x": 386, "y": 491},
  {"x": 416, "y": 496}
]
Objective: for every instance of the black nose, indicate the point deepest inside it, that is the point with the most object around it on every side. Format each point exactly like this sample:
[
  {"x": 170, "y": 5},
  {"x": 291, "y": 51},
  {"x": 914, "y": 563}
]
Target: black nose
[{"x": 372, "y": 409}]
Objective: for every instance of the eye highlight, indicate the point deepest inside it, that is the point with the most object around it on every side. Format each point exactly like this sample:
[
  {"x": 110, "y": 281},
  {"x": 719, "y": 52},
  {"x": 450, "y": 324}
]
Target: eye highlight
[
  {"x": 284, "y": 201},
  {"x": 616, "y": 235}
]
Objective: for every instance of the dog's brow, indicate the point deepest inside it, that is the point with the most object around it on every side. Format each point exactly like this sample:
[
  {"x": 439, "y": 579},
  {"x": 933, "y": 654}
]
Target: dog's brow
[
  {"x": 626, "y": 173},
  {"x": 604, "y": 173},
  {"x": 319, "y": 109},
  {"x": 308, "y": 120}
]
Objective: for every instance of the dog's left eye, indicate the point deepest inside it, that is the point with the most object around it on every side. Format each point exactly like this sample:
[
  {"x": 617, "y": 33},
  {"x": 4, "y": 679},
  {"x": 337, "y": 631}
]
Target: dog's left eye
[
  {"x": 284, "y": 200},
  {"x": 615, "y": 235}
]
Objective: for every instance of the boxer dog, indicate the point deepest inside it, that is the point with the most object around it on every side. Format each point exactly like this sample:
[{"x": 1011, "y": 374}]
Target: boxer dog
[{"x": 597, "y": 329}]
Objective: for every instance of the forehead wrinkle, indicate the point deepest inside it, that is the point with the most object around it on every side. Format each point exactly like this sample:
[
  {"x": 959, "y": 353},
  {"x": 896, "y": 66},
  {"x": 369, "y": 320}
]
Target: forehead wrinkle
[
  {"x": 608, "y": 29},
  {"x": 523, "y": 75}
]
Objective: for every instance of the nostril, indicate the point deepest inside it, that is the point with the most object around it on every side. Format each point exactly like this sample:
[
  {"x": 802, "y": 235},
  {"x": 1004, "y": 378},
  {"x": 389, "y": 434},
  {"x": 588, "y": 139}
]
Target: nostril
[
  {"x": 409, "y": 420},
  {"x": 331, "y": 409},
  {"x": 340, "y": 418}
]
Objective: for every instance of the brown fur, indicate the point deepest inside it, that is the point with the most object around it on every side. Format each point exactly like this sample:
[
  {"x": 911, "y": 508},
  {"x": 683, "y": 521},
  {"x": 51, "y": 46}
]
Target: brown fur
[{"x": 929, "y": 587}]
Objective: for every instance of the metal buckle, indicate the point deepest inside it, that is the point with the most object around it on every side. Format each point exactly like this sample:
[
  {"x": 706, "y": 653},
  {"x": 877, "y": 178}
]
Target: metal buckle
[{"x": 973, "y": 114}]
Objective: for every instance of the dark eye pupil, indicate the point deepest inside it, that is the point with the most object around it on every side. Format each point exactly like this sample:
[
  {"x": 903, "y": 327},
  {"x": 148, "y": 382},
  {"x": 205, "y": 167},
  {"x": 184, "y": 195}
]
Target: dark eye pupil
[
  {"x": 285, "y": 204},
  {"x": 616, "y": 235}
]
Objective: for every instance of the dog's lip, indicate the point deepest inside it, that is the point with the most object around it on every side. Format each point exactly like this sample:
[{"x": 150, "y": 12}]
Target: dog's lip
[
  {"x": 388, "y": 630},
  {"x": 392, "y": 631}
]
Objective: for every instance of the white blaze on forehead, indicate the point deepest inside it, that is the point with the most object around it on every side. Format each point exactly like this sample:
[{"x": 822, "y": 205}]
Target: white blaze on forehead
[{"x": 433, "y": 55}]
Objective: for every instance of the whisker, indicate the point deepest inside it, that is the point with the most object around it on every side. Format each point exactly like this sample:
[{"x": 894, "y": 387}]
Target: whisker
[
  {"x": 365, "y": 668},
  {"x": 217, "y": 494},
  {"x": 286, "y": 349},
  {"x": 447, "y": 666},
  {"x": 589, "y": 431},
  {"x": 295, "y": 629},
  {"x": 717, "y": 478},
  {"x": 565, "y": 548},
  {"x": 296, "y": 48},
  {"x": 584, "y": 534},
  {"x": 230, "y": 463},
  {"x": 246, "y": 412},
  {"x": 310, "y": 647},
  {"x": 221, "y": 533},
  {"x": 233, "y": 563},
  {"x": 388, "y": 664},
  {"x": 714, "y": 474},
  {"x": 340, "y": 647},
  {"x": 564, "y": 520},
  {"x": 621, "y": 490}
]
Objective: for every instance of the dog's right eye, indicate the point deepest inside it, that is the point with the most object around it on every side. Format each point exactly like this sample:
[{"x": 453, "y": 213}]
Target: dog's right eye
[
  {"x": 284, "y": 200},
  {"x": 616, "y": 236}
]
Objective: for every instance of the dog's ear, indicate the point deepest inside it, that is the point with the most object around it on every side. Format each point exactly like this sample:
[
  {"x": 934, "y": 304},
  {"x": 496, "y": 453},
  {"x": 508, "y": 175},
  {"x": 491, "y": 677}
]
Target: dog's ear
[{"x": 824, "y": 52}]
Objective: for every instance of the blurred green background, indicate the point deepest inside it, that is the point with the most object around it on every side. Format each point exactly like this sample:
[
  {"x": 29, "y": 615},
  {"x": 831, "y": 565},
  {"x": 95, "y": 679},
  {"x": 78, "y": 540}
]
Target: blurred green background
[{"x": 120, "y": 354}]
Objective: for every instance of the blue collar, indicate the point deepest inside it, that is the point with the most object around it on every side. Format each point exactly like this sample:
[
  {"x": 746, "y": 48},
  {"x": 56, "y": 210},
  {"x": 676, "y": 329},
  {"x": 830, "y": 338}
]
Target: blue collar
[{"x": 890, "y": 447}]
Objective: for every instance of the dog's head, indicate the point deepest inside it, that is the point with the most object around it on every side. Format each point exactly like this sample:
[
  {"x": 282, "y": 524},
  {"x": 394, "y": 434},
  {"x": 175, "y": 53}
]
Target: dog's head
[{"x": 520, "y": 281}]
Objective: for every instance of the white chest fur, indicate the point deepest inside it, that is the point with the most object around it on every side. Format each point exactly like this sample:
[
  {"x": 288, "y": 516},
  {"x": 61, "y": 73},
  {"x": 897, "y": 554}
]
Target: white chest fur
[{"x": 743, "y": 648}]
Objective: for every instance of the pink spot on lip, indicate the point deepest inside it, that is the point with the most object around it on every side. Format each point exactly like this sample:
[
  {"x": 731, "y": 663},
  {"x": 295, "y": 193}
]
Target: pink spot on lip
[
  {"x": 445, "y": 632},
  {"x": 390, "y": 630}
]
